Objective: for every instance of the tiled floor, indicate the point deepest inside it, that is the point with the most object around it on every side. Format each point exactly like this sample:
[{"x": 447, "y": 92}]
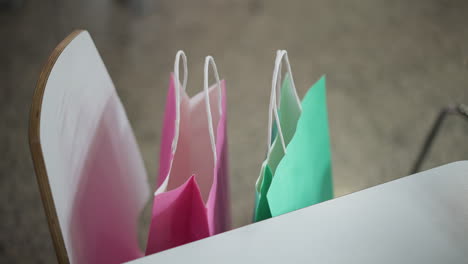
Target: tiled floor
[{"x": 391, "y": 65}]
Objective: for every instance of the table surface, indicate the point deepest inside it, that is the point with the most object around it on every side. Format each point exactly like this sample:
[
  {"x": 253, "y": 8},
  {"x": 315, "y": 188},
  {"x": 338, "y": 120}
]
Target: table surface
[{"x": 422, "y": 218}]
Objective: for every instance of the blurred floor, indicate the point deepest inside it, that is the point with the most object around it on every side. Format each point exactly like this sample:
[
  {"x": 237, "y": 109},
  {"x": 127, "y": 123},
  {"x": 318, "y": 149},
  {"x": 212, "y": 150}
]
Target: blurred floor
[{"x": 390, "y": 65}]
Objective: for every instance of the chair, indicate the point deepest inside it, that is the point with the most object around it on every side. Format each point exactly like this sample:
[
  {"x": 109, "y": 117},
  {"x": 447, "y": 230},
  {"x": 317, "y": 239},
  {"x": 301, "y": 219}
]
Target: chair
[{"x": 89, "y": 169}]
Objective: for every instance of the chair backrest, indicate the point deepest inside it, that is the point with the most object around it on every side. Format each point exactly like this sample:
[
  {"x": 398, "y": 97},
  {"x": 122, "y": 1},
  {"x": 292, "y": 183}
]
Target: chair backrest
[{"x": 88, "y": 166}]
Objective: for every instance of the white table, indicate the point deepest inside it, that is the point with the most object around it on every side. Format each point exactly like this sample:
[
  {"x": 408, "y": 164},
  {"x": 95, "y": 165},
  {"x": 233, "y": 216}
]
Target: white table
[{"x": 421, "y": 218}]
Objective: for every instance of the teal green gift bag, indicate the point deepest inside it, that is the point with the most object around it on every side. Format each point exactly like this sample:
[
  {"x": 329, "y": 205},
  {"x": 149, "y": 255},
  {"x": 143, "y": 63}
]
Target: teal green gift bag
[{"x": 297, "y": 170}]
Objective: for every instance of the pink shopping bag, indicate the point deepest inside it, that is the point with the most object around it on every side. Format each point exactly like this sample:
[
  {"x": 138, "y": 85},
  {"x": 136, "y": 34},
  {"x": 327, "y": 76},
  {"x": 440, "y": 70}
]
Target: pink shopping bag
[{"x": 192, "y": 198}]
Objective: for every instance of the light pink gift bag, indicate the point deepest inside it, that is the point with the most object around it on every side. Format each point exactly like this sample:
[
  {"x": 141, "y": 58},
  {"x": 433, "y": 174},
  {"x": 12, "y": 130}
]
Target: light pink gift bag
[{"x": 192, "y": 199}]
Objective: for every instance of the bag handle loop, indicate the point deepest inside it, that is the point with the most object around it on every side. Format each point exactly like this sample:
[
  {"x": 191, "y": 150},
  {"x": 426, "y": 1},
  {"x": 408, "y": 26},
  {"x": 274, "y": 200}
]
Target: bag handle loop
[
  {"x": 209, "y": 61},
  {"x": 180, "y": 54},
  {"x": 275, "y": 94}
]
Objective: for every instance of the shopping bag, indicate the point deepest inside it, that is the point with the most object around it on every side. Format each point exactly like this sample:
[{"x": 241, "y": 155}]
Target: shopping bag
[
  {"x": 192, "y": 199},
  {"x": 297, "y": 170},
  {"x": 289, "y": 112}
]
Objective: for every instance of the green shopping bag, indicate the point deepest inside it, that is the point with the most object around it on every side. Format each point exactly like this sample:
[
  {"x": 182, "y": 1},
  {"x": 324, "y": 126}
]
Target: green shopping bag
[{"x": 298, "y": 175}]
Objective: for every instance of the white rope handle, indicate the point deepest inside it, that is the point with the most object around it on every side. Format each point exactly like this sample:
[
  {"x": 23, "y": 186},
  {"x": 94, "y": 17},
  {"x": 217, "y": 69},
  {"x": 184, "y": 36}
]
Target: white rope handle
[
  {"x": 275, "y": 93},
  {"x": 210, "y": 61},
  {"x": 179, "y": 54},
  {"x": 278, "y": 83},
  {"x": 284, "y": 55}
]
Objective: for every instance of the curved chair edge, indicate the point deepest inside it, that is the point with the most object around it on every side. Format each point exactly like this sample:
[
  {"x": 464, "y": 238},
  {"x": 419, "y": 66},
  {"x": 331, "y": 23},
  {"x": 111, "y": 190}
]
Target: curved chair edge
[{"x": 36, "y": 149}]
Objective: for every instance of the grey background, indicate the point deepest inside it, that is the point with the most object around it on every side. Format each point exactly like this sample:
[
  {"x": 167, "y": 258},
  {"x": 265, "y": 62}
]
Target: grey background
[{"x": 390, "y": 65}]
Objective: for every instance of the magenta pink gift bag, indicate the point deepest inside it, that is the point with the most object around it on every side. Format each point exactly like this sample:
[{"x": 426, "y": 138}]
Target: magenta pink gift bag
[{"x": 192, "y": 198}]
